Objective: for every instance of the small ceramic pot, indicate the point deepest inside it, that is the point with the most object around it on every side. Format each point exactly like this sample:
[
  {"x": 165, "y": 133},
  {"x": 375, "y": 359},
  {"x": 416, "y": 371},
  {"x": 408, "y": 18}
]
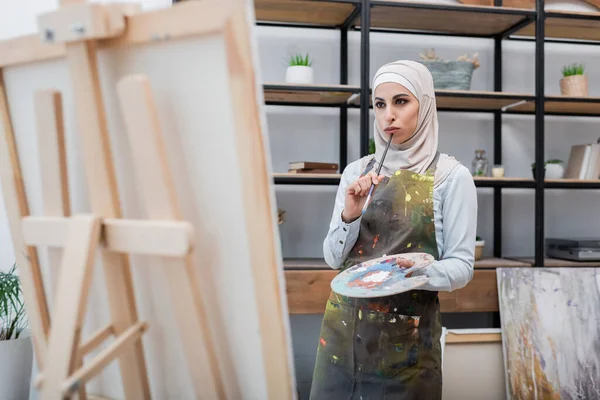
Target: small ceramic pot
[
  {"x": 574, "y": 86},
  {"x": 299, "y": 74},
  {"x": 554, "y": 171},
  {"x": 497, "y": 171},
  {"x": 479, "y": 246}
]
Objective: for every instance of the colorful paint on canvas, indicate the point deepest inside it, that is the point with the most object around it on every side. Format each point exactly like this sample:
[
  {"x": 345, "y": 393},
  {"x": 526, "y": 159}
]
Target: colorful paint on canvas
[{"x": 551, "y": 332}]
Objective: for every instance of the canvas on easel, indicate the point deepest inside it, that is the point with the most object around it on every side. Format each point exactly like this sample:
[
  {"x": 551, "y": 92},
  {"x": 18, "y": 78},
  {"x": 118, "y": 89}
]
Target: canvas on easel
[{"x": 137, "y": 182}]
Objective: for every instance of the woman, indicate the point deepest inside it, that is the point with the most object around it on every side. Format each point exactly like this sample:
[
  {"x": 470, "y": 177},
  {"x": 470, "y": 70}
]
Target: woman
[{"x": 424, "y": 201}]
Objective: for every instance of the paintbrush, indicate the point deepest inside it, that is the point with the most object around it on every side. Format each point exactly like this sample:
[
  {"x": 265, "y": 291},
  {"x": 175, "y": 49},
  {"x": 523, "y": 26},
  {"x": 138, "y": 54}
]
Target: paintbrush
[{"x": 378, "y": 172}]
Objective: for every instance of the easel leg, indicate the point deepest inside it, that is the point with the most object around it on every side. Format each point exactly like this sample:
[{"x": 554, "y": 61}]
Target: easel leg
[
  {"x": 105, "y": 202},
  {"x": 55, "y": 187},
  {"x": 73, "y": 287},
  {"x": 16, "y": 205}
]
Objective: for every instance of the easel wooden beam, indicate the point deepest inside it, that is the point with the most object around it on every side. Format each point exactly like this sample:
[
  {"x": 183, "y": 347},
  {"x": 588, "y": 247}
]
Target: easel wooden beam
[
  {"x": 147, "y": 237},
  {"x": 15, "y": 202},
  {"x": 260, "y": 220},
  {"x": 73, "y": 288},
  {"x": 105, "y": 203},
  {"x": 53, "y": 162},
  {"x": 191, "y": 18}
]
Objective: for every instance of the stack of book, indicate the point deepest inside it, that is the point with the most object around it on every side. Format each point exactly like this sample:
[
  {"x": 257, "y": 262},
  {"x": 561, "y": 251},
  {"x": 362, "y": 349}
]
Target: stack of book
[
  {"x": 584, "y": 162},
  {"x": 311, "y": 167}
]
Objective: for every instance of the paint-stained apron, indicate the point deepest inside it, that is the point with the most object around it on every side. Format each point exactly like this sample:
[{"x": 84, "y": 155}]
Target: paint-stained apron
[{"x": 386, "y": 347}]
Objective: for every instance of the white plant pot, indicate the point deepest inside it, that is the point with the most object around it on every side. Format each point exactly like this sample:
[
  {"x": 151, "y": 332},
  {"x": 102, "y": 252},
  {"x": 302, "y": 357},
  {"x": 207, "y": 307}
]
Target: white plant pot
[
  {"x": 554, "y": 171},
  {"x": 16, "y": 358},
  {"x": 299, "y": 74}
]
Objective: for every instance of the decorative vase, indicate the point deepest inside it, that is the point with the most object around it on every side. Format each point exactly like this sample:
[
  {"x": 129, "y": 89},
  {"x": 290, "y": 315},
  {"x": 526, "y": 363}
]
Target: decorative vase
[
  {"x": 479, "y": 246},
  {"x": 574, "y": 86},
  {"x": 16, "y": 361},
  {"x": 554, "y": 171},
  {"x": 450, "y": 75},
  {"x": 299, "y": 74},
  {"x": 480, "y": 164}
]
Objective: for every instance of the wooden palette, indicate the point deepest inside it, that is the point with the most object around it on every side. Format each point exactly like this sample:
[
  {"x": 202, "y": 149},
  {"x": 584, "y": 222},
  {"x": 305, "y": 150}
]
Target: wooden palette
[{"x": 382, "y": 276}]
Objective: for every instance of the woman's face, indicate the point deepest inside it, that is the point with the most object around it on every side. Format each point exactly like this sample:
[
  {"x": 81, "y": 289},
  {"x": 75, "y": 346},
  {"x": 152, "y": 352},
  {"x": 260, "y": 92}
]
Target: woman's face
[{"x": 396, "y": 111}]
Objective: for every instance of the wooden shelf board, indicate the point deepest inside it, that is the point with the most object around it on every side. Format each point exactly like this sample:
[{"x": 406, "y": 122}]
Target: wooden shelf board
[
  {"x": 454, "y": 19},
  {"x": 305, "y": 263},
  {"x": 289, "y": 175},
  {"x": 564, "y": 105},
  {"x": 493, "y": 262},
  {"x": 568, "y": 25},
  {"x": 470, "y": 99},
  {"x": 557, "y": 263},
  {"x": 571, "y": 180},
  {"x": 320, "y": 264},
  {"x": 308, "y": 291},
  {"x": 477, "y": 100},
  {"x": 503, "y": 179},
  {"x": 320, "y": 13},
  {"x": 319, "y": 94}
]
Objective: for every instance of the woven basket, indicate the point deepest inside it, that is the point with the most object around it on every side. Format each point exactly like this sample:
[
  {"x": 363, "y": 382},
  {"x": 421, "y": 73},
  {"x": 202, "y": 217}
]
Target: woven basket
[
  {"x": 574, "y": 86},
  {"x": 451, "y": 75}
]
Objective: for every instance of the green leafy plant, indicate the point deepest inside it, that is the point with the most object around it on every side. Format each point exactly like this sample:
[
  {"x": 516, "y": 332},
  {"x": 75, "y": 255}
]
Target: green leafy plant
[
  {"x": 551, "y": 161},
  {"x": 371, "y": 146},
  {"x": 12, "y": 308},
  {"x": 299, "y": 60},
  {"x": 478, "y": 238},
  {"x": 573, "y": 69}
]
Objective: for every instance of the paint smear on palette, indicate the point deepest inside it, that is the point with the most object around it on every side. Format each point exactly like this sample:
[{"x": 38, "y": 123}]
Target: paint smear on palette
[{"x": 377, "y": 275}]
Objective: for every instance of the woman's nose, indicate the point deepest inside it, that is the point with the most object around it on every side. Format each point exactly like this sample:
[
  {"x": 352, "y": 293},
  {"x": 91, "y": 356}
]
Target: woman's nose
[{"x": 389, "y": 116}]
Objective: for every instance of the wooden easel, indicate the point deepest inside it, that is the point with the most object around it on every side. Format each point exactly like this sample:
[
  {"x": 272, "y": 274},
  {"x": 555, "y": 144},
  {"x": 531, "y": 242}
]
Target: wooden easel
[{"x": 74, "y": 240}]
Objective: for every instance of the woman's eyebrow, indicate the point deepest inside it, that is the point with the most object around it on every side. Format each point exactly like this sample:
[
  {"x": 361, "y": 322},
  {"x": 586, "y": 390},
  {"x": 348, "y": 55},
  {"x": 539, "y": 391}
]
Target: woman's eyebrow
[{"x": 394, "y": 98}]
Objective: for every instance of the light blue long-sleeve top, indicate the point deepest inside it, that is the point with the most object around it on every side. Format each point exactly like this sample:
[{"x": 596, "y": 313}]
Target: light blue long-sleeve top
[{"x": 455, "y": 215}]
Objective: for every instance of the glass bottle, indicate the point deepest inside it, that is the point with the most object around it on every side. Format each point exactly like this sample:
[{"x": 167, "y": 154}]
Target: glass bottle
[{"x": 480, "y": 164}]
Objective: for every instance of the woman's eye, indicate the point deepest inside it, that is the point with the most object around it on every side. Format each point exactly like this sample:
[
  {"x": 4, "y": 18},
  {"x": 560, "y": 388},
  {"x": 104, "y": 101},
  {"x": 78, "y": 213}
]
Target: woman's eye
[
  {"x": 400, "y": 101},
  {"x": 379, "y": 104}
]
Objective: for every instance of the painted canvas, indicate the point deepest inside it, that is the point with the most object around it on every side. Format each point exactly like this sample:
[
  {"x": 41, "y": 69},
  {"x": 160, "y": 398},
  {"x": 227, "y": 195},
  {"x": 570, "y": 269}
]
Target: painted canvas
[{"x": 551, "y": 332}]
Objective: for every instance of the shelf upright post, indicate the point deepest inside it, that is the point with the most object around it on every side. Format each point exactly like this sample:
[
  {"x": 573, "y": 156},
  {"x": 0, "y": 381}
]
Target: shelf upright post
[
  {"x": 539, "y": 132},
  {"x": 344, "y": 107},
  {"x": 498, "y": 142},
  {"x": 365, "y": 27}
]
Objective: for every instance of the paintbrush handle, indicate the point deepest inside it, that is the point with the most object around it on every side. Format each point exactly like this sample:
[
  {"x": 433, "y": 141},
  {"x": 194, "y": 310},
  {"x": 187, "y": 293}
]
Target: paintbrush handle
[{"x": 368, "y": 198}]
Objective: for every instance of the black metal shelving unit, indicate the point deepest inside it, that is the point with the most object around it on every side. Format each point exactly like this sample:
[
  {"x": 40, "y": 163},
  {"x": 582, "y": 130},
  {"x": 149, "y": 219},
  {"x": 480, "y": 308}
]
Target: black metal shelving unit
[{"x": 496, "y": 23}]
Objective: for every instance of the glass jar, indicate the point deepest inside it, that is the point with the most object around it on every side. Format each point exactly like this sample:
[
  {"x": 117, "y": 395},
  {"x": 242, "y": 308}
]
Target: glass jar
[{"x": 480, "y": 164}]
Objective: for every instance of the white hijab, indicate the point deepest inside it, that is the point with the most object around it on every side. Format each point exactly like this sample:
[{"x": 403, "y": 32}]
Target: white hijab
[{"x": 417, "y": 153}]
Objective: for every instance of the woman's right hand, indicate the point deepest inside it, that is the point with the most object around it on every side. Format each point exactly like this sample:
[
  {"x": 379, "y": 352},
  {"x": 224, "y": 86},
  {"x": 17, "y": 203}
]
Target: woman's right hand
[{"x": 356, "y": 195}]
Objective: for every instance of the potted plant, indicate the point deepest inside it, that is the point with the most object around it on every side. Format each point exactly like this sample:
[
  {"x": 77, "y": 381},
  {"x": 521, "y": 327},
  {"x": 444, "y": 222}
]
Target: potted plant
[
  {"x": 574, "y": 82},
  {"x": 553, "y": 169},
  {"x": 299, "y": 70},
  {"x": 452, "y": 75},
  {"x": 16, "y": 350},
  {"x": 479, "y": 246}
]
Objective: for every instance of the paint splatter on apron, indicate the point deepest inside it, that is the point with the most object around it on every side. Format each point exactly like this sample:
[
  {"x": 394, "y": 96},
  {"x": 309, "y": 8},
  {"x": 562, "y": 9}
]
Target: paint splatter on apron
[{"x": 387, "y": 347}]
